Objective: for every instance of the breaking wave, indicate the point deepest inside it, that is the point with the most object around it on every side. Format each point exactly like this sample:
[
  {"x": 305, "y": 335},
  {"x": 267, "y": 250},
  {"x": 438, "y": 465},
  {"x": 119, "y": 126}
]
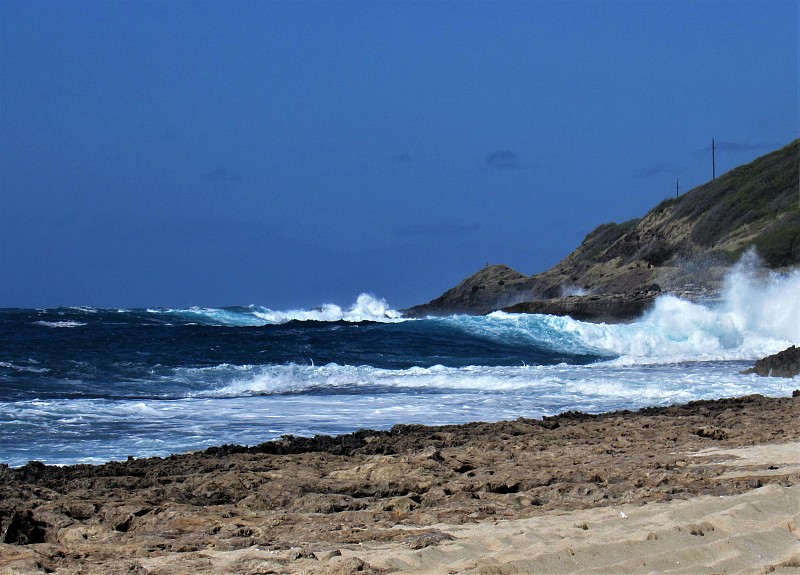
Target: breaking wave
[
  {"x": 365, "y": 308},
  {"x": 757, "y": 315}
]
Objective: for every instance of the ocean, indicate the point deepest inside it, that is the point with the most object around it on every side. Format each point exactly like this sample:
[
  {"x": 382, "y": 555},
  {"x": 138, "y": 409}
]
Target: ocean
[{"x": 88, "y": 385}]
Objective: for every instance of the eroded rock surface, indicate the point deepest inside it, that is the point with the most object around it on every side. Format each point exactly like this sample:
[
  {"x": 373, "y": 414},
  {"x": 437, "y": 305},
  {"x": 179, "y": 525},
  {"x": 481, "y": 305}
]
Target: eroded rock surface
[{"x": 785, "y": 363}]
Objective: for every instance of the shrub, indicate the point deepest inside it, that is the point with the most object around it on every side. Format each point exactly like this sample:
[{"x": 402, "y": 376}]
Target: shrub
[{"x": 779, "y": 245}]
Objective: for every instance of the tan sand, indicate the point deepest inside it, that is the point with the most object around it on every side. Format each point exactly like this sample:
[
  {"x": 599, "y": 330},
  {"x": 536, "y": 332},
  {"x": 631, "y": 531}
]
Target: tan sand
[{"x": 754, "y": 532}]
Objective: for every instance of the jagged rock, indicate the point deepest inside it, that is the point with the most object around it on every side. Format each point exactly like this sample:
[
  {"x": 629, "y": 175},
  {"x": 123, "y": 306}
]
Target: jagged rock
[
  {"x": 429, "y": 539},
  {"x": 782, "y": 364},
  {"x": 24, "y": 529}
]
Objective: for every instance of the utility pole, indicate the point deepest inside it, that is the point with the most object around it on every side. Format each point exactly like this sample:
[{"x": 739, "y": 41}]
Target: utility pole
[
  {"x": 677, "y": 186},
  {"x": 713, "y": 160}
]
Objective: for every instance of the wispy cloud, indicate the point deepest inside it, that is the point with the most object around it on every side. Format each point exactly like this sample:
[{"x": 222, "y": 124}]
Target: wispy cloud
[
  {"x": 439, "y": 230},
  {"x": 698, "y": 155},
  {"x": 503, "y": 159},
  {"x": 657, "y": 170},
  {"x": 743, "y": 146},
  {"x": 740, "y": 146},
  {"x": 223, "y": 175}
]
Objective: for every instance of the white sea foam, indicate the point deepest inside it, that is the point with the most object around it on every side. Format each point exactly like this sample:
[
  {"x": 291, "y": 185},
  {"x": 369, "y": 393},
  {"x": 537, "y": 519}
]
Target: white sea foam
[
  {"x": 216, "y": 316},
  {"x": 762, "y": 302},
  {"x": 60, "y": 323},
  {"x": 83, "y": 309},
  {"x": 758, "y": 314},
  {"x": 279, "y": 379},
  {"x": 366, "y": 308},
  {"x": 616, "y": 382},
  {"x": 253, "y": 409},
  {"x": 28, "y": 368},
  {"x": 679, "y": 351}
]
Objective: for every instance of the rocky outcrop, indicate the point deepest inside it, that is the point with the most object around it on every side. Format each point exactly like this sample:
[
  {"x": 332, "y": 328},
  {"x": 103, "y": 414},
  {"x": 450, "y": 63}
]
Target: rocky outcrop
[
  {"x": 492, "y": 288},
  {"x": 782, "y": 364}
]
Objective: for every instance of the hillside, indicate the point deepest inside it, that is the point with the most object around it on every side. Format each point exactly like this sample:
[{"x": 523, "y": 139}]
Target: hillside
[{"x": 683, "y": 244}]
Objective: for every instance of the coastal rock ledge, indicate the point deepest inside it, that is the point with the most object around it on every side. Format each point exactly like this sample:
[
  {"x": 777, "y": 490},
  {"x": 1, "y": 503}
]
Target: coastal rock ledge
[
  {"x": 782, "y": 364},
  {"x": 608, "y": 308}
]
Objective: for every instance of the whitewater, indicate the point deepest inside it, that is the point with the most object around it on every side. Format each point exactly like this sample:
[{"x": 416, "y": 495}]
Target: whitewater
[{"x": 88, "y": 385}]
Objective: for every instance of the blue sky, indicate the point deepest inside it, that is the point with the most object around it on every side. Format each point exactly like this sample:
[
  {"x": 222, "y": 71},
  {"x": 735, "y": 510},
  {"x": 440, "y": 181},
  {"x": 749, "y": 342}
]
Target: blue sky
[{"x": 290, "y": 154}]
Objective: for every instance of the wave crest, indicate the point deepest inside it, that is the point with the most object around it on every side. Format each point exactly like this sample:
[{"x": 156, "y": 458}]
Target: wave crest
[
  {"x": 366, "y": 308},
  {"x": 62, "y": 324}
]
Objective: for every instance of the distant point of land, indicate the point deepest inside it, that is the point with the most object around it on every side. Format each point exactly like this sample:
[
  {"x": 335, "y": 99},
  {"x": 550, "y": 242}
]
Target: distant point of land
[{"x": 684, "y": 245}]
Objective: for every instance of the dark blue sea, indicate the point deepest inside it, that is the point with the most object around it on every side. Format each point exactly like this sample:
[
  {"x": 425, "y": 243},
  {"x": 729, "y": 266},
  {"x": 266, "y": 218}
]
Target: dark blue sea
[{"x": 93, "y": 385}]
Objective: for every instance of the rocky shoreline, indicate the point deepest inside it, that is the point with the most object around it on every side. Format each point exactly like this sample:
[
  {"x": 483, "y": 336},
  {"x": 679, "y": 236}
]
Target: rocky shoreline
[
  {"x": 782, "y": 364},
  {"x": 499, "y": 288},
  {"x": 610, "y": 308},
  {"x": 329, "y": 504}
]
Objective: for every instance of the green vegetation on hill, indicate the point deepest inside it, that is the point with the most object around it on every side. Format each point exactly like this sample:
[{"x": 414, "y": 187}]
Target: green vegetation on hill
[
  {"x": 760, "y": 198},
  {"x": 604, "y": 235},
  {"x": 755, "y": 205}
]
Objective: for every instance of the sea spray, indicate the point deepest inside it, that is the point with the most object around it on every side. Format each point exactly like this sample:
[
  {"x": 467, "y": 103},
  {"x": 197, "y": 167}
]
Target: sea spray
[
  {"x": 366, "y": 308},
  {"x": 758, "y": 314},
  {"x": 763, "y": 302}
]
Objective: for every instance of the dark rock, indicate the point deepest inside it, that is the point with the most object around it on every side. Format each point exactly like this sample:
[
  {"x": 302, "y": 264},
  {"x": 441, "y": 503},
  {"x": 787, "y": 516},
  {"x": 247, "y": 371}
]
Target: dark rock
[
  {"x": 606, "y": 308},
  {"x": 711, "y": 432},
  {"x": 491, "y": 288},
  {"x": 429, "y": 539},
  {"x": 24, "y": 529},
  {"x": 782, "y": 364}
]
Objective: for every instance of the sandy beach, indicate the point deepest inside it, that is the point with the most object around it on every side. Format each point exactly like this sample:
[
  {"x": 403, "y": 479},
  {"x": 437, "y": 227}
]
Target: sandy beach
[{"x": 708, "y": 487}]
